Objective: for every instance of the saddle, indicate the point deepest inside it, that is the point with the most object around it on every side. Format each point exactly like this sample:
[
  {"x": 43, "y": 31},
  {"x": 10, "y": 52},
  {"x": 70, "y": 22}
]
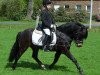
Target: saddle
[{"x": 38, "y": 37}]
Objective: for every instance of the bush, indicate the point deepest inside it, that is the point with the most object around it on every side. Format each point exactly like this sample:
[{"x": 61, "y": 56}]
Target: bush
[
  {"x": 13, "y": 9},
  {"x": 77, "y": 16},
  {"x": 17, "y": 9},
  {"x": 94, "y": 17},
  {"x": 3, "y": 9},
  {"x": 60, "y": 11},
  {"x": 36, "y": 7},
  {"x": 4, "y": 19}
]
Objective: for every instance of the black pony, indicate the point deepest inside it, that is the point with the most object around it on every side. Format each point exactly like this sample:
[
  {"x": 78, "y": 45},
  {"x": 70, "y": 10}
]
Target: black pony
[{"x": 66, "y": 33}]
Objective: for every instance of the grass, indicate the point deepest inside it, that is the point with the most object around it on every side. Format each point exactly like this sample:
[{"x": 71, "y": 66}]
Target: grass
[{"x": 88, "y": 56}]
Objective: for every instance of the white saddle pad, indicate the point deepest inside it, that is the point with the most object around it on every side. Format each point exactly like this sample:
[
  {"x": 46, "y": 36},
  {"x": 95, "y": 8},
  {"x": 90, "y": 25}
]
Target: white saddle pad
[{"x": 37, "y": 35}]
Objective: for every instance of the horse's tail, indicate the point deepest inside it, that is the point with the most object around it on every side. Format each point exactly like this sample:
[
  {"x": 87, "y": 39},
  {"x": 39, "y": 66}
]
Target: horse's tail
[{"x": 14, "y": 50}]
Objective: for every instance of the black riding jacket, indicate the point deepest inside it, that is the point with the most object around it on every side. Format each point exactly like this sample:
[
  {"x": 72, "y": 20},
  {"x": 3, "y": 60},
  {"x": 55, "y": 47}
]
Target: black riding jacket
[{"x": 47, "y": 18}]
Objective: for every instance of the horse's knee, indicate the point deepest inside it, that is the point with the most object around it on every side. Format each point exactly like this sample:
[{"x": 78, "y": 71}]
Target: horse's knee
[
  {"x": 13, "y": 66},
  {"x": 33, "y": 56}
]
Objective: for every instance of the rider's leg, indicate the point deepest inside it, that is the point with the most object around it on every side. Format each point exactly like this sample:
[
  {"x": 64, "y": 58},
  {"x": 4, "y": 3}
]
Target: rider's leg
[{"x": 46, "y": 40}]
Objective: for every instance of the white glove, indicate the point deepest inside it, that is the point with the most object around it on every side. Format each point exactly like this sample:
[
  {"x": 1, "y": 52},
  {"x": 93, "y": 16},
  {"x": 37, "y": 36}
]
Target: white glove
[{"x": 52, "y": 25}]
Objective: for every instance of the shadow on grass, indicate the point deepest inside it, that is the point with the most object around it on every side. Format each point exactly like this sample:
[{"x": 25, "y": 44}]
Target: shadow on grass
[
  {"x": 24, "y": 64},
  {"x": 60, "y": 68},
  {"x": 35, "y": 66}
]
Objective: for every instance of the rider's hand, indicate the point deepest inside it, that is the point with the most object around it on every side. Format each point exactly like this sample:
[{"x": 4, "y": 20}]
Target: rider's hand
[{"x": 52, "y": 25}]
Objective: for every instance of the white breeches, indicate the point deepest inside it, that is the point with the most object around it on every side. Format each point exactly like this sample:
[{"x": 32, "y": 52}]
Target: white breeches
[{"x": 47, "y": 31}]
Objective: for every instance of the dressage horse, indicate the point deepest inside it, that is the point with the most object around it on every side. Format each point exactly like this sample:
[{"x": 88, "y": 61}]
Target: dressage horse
[{"x": 66, "y": 33}]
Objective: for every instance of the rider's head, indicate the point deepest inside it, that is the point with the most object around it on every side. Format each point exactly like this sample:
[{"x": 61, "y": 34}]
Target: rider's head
[{"x": 47, "y": 4}]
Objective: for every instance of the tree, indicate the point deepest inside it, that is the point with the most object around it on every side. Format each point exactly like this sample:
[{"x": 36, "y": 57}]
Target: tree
[
  {"x": 20, "y": 9},
  {"x": 36, "y": 7},
  {"x": 29, "y": 10},
  {"x": 13, "y": 9}
]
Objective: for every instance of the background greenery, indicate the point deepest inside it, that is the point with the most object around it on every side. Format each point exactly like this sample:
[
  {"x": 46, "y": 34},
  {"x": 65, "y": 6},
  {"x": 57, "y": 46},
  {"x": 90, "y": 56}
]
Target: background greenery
[
  {"x": 17, "y": 10},
  {"x": 63, "y": 15},
  {"x": 88, "y": 56}
]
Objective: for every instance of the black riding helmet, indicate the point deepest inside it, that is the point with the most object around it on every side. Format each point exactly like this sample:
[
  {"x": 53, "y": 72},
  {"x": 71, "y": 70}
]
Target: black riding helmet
[{"x": 46, "y": 2}]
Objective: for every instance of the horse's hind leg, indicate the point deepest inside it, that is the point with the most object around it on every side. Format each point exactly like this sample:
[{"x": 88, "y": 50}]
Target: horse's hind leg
[
  {"x": 71, "y": 57},
  {"x": 15, "y": 62},
  {"x": 19, "y": 54},
  {"x": 35, "y": 56}
]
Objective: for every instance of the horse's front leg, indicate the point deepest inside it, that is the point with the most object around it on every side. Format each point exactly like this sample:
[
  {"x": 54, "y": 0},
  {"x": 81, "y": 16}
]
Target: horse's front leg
[
  {"x": 35, "y": 56},
  {"x": 71, "y": 57},
  {"x": 57, "y": 55}
]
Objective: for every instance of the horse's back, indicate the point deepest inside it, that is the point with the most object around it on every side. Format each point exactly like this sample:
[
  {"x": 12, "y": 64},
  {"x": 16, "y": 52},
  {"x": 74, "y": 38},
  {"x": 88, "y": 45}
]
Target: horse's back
[
  {"x": 26, "y": 36},
  {"x": 27, "y": 32}
]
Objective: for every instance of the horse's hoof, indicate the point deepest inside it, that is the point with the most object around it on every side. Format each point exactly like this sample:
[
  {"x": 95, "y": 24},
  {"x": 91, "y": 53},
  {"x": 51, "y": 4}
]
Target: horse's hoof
[
  {"x": 13, "y": 67},
  {"x": 43, "y": 67},
  {"x": 81, "y": 72},
  {"x": 50, "y": 67}
]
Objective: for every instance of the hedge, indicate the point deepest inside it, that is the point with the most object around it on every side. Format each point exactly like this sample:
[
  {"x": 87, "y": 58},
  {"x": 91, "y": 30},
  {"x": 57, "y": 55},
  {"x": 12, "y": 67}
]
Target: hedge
[
  {"x": 77, "y": 16},
  {"x": 13, "y": 9}
]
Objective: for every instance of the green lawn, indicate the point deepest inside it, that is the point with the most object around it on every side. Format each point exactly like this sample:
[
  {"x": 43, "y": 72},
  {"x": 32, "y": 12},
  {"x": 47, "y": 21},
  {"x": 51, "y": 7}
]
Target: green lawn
[{"x": 88, "y": 56}]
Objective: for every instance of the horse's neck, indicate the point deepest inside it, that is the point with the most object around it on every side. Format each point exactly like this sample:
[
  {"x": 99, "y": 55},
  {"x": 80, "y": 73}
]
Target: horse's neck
[
  {"x": 67, "y": 30},
  {"x": 64, "y": 36}
]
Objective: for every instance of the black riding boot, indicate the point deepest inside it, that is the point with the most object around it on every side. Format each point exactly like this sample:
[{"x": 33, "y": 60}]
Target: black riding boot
[{"x": 46, "y": 43}]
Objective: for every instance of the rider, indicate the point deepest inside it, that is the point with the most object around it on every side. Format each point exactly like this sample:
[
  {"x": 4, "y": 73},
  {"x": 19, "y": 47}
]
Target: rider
[{"x": 47, "y": 22}]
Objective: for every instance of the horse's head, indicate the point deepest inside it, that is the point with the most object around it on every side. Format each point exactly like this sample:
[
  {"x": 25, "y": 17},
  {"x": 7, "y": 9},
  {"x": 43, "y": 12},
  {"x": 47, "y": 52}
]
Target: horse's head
[
  {"x": 75, "y": 31},
  {"x": 79, "y": 34}
]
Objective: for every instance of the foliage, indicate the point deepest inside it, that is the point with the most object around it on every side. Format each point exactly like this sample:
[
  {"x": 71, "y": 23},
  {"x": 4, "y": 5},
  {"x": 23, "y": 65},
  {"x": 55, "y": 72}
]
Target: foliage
[
  {"x": 4, "y": 19},
  {"x": 60, "y": 11},
  {"x": 94, "y": 17},
  {"x": 61, "y": 15},
  {"x": 36, "y": 7},
  {"x": 17, "y": 9},
  {"x": 13, "y": 9}
]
